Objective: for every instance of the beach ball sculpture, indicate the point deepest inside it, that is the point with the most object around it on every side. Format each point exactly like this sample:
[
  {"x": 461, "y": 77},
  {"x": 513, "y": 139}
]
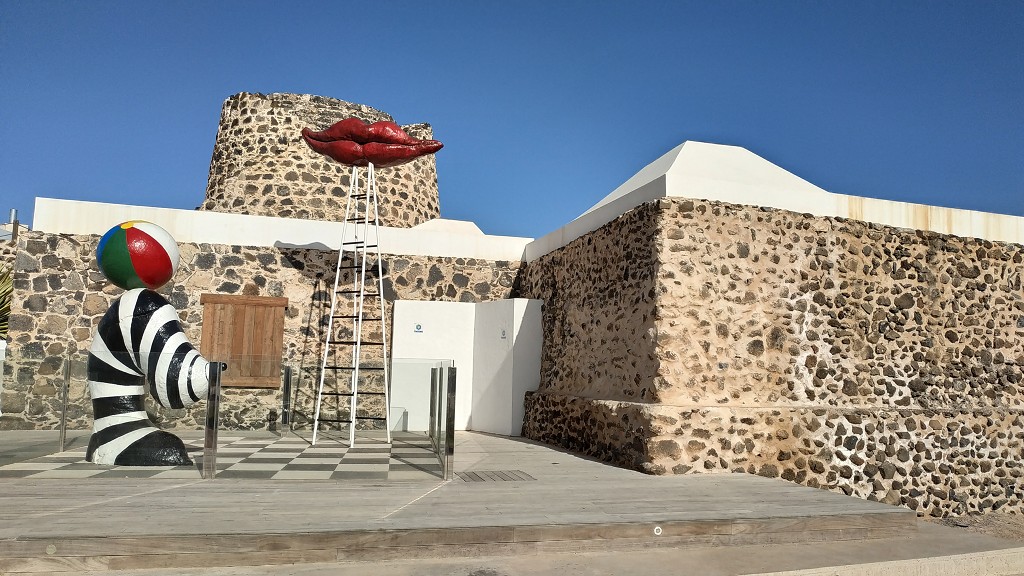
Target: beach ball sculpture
[
  {"x": 137, "y": 254},
  {"x": 139, "y": 347}
]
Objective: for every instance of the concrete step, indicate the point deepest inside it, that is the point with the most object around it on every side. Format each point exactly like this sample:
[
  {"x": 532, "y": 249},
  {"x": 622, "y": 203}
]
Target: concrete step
[
  {"x": 930, "y": 551},
  {"x": 555, "y": 504}
]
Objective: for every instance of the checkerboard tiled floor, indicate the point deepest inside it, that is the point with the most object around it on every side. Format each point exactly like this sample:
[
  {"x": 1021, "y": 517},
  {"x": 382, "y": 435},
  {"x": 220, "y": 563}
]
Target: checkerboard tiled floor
[{"x": 288, "y": 457}]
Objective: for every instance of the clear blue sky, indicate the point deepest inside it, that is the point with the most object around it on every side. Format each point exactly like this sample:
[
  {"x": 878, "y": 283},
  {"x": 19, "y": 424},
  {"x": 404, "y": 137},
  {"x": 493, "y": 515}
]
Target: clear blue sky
[{"x": 544, "y": 107}]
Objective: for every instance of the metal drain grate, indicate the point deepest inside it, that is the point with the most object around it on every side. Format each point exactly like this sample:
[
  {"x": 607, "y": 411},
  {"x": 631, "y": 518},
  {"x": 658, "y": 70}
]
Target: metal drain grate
[{"x": 494, "y": 476}]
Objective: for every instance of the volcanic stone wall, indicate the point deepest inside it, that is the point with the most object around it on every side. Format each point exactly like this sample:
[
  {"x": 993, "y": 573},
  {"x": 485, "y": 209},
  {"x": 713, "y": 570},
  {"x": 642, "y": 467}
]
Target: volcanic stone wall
[
  {"x": 60, "y": 297},
  {"x": 879, "y": 362},
  {"x": 8, "y": 251},
  {"x": 262, "y": 166}
]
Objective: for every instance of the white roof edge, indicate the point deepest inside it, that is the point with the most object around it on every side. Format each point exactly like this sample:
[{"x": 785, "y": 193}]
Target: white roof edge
[
  {"x": 450, "y": 226},
  {"x": 646, "y": 174},
  {"x": 737, "y": 175},
  {"x": 200, "y": 226},
  {"x": 704, "y": 171},
  {"x": 595, "y": 218},
  {"x": 696, "y": 170}
]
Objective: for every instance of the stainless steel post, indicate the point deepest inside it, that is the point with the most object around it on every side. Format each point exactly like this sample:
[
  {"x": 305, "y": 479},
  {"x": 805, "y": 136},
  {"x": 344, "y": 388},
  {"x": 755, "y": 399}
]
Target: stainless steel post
[
  {"x": 212, "y": 421},
  {"x": 64, "y": 402},
  {"x": 286, "y": 397},
  {"x": 449, "y": 448}
]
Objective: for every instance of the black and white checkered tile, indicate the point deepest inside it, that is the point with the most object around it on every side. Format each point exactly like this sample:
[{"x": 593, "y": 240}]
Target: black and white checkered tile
[{"x": 407, "y": 457}]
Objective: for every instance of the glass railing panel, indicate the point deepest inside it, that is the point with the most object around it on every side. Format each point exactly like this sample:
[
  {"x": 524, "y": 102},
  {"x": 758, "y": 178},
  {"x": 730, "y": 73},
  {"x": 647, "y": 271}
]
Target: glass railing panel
[
  {"x": 44, "y": 397},
  {"x": 410, "y": 395},
  {"x": 45, "y": 388},
  {"x": 47, "y": 404},
  {"x": 423, "y": 401},
  {"x": 444, "y": 383}
]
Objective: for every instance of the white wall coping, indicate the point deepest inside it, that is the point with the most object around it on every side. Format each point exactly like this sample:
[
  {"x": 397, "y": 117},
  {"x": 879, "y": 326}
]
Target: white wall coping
[
  {"x": 703, "y": 171},
  {"x": 450, "y": 226},
  {"x": 446, "y": 239},
  {"x": 696, "y": 170}
]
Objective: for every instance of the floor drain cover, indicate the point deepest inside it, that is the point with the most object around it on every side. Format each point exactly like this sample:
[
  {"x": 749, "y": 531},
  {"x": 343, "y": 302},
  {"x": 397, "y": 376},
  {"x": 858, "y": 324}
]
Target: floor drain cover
[{"x": 494, "y": 476}]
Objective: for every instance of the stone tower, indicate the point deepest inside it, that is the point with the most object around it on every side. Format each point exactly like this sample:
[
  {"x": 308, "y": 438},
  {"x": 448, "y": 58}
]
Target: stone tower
[{"x": 261, "y": 165}]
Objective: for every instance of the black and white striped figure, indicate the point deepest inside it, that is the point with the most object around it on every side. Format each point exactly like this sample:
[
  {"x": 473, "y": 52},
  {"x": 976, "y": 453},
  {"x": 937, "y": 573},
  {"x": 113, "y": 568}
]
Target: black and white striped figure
[{"x": 140, "y": 340}]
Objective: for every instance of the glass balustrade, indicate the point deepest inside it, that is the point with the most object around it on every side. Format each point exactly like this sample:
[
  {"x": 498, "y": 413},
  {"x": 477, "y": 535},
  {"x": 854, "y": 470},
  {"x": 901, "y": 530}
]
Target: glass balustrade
[{"x": 48, "y": 408}]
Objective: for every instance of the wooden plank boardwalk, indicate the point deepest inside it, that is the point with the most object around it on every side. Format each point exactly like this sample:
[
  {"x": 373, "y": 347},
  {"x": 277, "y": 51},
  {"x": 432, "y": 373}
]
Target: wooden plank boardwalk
[{"x": 511, "y": 496}]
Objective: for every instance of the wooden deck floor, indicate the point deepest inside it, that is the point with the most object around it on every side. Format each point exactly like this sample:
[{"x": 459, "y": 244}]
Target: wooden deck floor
[{"x": 572, "y": 503}]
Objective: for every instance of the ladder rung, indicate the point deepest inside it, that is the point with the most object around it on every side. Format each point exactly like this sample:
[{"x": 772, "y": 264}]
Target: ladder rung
[
  {"x": 348, "y": 421},
  {"x": 362, "y": 259}
]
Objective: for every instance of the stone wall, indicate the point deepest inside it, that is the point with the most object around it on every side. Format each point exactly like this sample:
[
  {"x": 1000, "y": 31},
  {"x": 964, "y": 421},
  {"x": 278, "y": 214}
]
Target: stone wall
[
  {"x": 8, "y": 252},
  {"x": 262, "y": 166},
  {"x": 599, "y": 311},
  {"x": 60, "y": 296},
  {"x": 879, "y": 362}
]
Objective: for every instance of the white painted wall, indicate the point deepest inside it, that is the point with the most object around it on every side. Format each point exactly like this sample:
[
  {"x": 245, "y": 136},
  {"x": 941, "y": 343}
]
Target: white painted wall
[
  {"x": 445, "y": 238},
  {"x": 433, "y": 331},
  {"x": 506, "y": 363},
  {"x": 410, "y": 398},
  {"x": 496, "y": 348},
  {"x": 732, "y": 174},
  {"x": 696, "y": 170}
]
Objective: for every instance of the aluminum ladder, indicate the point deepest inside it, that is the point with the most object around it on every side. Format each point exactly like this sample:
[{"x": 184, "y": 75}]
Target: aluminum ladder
[{"x": 356, "y": 312}]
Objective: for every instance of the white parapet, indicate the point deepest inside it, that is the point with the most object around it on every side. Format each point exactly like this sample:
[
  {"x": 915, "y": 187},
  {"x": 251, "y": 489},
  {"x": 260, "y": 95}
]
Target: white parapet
[
  {"x": 695, "y": 170},
  {"x": 703, "y": 171},
  {"x": 443, "y": 238}
]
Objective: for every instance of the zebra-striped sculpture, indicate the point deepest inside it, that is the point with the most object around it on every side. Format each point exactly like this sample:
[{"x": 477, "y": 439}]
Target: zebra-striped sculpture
[{"x": 139, "y": 339}]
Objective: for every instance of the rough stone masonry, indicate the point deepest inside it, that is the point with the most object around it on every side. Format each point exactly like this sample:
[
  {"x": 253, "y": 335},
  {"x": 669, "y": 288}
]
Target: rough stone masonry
[
  {"x": 697, "y": 336},
  {"x": 60, "y": 296},
  {"x": 260, "y": 166}
]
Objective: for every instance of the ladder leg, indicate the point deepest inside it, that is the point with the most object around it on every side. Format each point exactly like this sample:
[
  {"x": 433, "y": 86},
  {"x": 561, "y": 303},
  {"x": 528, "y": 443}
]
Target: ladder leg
[
  {"x": 360, "y": 279},
  {"x": 353, "y": 186},
  {"x": 365, "y": 252},
  {"x": 383, "y": 316}
]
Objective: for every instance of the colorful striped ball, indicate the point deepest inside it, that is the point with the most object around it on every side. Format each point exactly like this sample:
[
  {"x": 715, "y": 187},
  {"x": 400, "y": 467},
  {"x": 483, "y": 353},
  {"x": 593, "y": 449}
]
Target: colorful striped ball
[{"x": 137, "y": 254}]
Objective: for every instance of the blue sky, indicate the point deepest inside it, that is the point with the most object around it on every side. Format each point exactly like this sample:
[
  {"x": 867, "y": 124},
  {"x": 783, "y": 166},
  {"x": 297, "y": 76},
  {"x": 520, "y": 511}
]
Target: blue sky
[{"x": 544, "y": 107}]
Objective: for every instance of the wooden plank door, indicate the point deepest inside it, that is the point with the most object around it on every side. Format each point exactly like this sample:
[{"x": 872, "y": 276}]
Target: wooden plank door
[{"x": 247, "y": 333}]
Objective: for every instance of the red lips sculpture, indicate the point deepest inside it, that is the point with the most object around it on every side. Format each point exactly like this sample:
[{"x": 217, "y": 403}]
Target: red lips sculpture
[{"x": 356, "y": 143}]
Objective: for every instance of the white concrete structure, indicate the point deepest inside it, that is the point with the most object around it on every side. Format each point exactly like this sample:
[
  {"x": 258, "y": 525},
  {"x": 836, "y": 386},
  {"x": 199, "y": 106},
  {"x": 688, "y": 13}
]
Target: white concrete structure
[
  {"x": 691, "y": 170},
  {"x": 424, "y": 330},
  {"x": 496, "y": 350},
  {"x": 445, "y": 238},
  {"x": 506, "y": 363},
  {"x": 704, "y": 171}
]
